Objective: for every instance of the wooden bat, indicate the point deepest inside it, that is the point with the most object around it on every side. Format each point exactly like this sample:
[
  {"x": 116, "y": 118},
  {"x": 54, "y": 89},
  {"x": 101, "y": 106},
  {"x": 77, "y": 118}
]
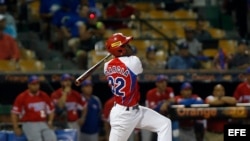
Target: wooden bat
[{"x": 87, "y": 73}]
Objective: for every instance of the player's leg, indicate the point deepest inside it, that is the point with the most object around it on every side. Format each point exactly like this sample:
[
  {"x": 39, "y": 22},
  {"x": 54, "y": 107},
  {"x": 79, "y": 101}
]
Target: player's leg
[
  {"x": 122, "y": 123},
  {"x": 47, "y": 133},
  {"x": 32, "y": 131},
  {"x": 155, "y": 122}
]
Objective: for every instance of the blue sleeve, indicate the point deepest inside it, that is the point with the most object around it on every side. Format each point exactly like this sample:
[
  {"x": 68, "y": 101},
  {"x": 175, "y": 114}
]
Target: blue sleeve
[
  {"x": 171, "y": 62},
  {"x": 158, "y": 107}
]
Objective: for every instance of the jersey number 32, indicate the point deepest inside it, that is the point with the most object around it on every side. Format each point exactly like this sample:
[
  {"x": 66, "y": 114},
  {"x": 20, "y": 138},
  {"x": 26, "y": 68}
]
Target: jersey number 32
[{"x": 117, "y": 84}]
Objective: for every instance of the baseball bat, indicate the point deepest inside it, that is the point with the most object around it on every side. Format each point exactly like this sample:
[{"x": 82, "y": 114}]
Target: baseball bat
[{"x": 87, "y": 73}]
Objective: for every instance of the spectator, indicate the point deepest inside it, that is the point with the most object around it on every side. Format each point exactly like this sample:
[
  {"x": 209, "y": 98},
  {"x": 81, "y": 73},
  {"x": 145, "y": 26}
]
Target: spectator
[
  {"x": 159, "y": 99},
  {"x": 119, "y": 10},
  {"x": 241, "y": 59},
  {"x": 92, "y": 125},
  {"x": 74, "y": 5},
  {"x": 242, "y": 91},
  {"x": 183, "y": 60},
  {"x": 105, "y": 117},
  {"x": 187, "y": 98},
  {"x": 195, "y": 47},
  {"x": 201, "y": 33},
  {"x": 36, "y": 112},
  {"x": 68, "y": 102},
  {"x": 215, "y": 127},
  {"x": 9, "y": 47},
  {"x": 221, "y": 60},
  {"x": 151, "y": 61},
  {"x": 85, "y": 30},
  {"x": 47, "y": 10},
  {"x": 10, "y": 27}
]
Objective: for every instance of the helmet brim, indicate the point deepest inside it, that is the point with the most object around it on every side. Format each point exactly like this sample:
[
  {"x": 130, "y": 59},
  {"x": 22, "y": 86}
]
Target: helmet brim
[{"x": 129, "y": 38}]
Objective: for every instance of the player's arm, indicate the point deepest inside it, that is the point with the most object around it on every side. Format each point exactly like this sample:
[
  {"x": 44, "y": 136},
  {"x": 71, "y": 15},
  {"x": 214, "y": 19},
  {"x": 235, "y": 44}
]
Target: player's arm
[
  {"x": 82, "y": 105},
  {"x": 237, "y": 93},
  {"x": 50, "y": 110},
  {"x": 62, "y": 100},
  {"x": 16, "y": 110},
  {"x": 229, "y": 100},
  {"x": 214, "y": 101}
]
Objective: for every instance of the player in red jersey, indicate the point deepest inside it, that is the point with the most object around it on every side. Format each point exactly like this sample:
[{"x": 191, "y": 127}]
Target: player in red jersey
[
  {"x": 36, "y": 112},
  {"x": 242, "y": 92},
  {"x": 70, "y": 101},
  {"x": 158, "y": 99},
  {"x": 215, "y": 127},
  {"x": 127, "y": 114}
]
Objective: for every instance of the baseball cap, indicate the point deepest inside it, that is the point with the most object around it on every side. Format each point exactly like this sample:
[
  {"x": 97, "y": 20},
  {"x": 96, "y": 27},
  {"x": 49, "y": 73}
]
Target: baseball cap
[
  {"x": 86, "y": 83},
  {"x": 183, "y": 46},
  {"x": 161, "y": 77},
  {"x": 242, "y": 41},
  {"x": 66, "y": 76},
  {"x": 186, "y": 85},
  {"x": 2, "y": 17},
  {"x": 151, "y": 48},
  {"x": 33, "y": 79}
]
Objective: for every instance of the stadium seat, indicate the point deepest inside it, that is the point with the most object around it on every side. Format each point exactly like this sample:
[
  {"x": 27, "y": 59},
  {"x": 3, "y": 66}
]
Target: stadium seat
[
  {"x": 228, "y": 46},
  {"x": 141, "y": 45},
  {"x": 216, "y": 33},
  {"x": 108, "y": 33},
  {"x": 27, "y": 54},
  {"x": 7, "y": 65},
  {"x": 34, "y": 7},
  {"x": 184, "y": 14},
  {"x": 129, "y": 32},
  {"x": 31, "y": 65},
  {"x": 159, "y": 14},
  {"x": 143, "y": 6},
  {"x": 210, "y": 52}
]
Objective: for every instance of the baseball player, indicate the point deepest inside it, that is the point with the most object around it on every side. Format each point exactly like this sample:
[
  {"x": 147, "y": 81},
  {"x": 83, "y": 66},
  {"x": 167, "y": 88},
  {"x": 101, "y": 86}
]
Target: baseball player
[
  {"x": 91, "y": 127},
  {"x": 158, "y": 99},
  {"x": 36, "y": 112},
  {"x": 71, "y": 101},
  {"x": 126, "y": 114}
]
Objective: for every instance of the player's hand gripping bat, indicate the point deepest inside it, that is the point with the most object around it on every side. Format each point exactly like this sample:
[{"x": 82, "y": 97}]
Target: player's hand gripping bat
[{"x": 87, "y": 73}]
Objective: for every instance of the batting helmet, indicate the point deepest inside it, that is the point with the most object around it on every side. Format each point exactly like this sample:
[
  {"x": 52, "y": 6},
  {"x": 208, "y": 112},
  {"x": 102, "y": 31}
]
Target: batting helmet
[{"x": 115, "y": 42}]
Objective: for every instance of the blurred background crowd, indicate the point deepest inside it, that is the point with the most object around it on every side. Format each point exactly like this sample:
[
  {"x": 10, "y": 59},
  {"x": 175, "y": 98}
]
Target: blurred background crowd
[
  {"x": 186, "y": 35},
  {"x": 42, "y": 34}
]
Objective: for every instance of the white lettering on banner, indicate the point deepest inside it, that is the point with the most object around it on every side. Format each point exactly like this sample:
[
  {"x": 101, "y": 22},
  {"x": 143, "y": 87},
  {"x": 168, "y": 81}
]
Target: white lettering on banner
[
  {"x": 236, "y": 132},
  {"x": 37, "y": 106}
]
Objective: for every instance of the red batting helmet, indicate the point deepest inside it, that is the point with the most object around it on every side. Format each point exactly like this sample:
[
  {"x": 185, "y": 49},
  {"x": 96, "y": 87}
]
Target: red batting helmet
[{"x": 115, "y": 42}]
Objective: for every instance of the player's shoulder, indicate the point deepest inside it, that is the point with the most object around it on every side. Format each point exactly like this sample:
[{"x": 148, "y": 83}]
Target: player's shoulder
[
  {"x": 242, "y": 84},
  {"x": 75, "y": 92},
  {"x": 23, "y": 94},
  {"x": 169, "y": 89},
  {"x": 152, "y": 91},
  {"x": 43, "y": 93}
]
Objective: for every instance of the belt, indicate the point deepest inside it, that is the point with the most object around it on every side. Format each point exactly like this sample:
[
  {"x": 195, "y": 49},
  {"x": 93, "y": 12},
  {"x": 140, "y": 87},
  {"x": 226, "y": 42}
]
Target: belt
[{"x": 128, "y": 108}]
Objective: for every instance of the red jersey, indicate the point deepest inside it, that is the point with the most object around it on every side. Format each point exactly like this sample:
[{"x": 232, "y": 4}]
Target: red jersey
[
  {"x": 33, "y": 107},
  {"x": 122, "y": 74},
  {"x": 107, "y": 108},
  {"x": 215, "y": 125},
  {"x": 242, "y": 92},
  {"x": 153, "y": 97},
  {"x": 9, "y": 48},
  {"x": 74, "y": 102}
]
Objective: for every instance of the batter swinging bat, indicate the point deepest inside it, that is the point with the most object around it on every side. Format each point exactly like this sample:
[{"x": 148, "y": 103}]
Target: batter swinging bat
[{"x": 87, "y": 73}]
